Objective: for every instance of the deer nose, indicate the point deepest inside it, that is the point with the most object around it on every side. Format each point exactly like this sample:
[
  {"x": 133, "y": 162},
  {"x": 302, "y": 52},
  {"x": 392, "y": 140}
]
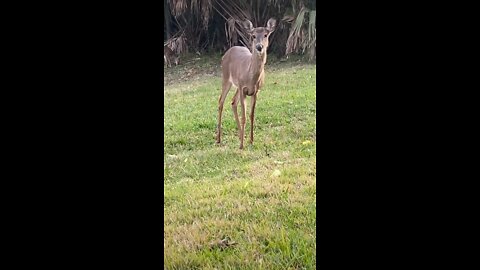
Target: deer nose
[{"x": 259, "y": 47}]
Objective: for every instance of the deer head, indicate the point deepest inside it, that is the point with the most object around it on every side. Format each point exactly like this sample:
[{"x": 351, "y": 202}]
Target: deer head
[{"x": 259, "y": 36}]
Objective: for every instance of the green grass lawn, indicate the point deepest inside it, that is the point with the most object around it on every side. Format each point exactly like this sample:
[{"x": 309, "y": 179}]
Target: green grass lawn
[{"x": 260, "y": 200}]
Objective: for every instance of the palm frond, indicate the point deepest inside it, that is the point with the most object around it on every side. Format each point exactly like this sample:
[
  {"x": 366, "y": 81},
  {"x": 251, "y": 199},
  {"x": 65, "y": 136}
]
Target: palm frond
[
  {"x": 216, "y": 24},
  {"x": 178, "y": 43},
  {"x": 312, "y": 34},
  {"x": 288, "y": 18},
  {"x": 296, "y": 37},
  {"x": 231, "y": 32},
  {"x": 206, "y": 12},
  {"x": 311, "y": 26},
  {"x": 178, "y": 7}
]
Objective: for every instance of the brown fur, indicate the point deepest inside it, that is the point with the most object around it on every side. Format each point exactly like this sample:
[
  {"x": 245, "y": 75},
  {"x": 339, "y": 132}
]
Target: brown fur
[
  {"x": 244, "y": 69},
  {"x": 169, "y": 55}
]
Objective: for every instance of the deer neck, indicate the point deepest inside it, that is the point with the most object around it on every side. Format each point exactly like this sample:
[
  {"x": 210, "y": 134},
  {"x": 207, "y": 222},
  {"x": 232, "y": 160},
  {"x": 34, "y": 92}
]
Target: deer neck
[{"x": 257, "y": 64}]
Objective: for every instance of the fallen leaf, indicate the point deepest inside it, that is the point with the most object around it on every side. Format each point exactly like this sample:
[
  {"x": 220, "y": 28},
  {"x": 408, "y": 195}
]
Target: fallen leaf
[
  {"x": 222, "y": 244},
  {"x": 306, "y": 142},
  {"x": 276, "y": 173}
]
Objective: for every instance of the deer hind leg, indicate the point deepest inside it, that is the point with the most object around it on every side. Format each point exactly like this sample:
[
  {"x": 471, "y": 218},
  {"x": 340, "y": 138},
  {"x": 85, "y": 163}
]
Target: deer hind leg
[
  {"x": 225, "y": 88},
  {"x": 167, "y": 60},
  {"x": 252, "y": 115}
]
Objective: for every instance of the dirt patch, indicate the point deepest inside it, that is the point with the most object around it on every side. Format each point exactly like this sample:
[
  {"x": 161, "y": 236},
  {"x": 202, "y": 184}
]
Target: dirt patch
[{"x": 192, "y": 69}]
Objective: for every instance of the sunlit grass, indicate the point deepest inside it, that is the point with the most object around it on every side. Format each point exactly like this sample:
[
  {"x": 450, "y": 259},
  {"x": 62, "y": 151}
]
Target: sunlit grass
[{"x": 262, "y": 197}]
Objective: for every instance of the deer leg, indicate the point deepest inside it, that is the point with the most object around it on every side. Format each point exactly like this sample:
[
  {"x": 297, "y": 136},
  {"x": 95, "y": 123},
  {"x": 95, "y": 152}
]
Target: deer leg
[
  {"x": 225, "y": 88},
  {"x": 253, "y": 101},
  {"x": 234, "y": 108},
  {"x": 167, "y": 61},
  {"x": 243, "y": 105}
]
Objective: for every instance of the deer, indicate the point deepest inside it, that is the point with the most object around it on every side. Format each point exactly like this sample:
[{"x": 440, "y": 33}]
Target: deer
[
  {"x": 169, "y": 55},
  {"x": 244, "y": 69}
]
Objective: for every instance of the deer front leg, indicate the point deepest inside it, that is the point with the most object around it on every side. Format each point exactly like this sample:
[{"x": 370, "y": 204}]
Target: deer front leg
[
  {"x": 252, "y": 115},
  {"x": 234, "y": 108},
  {"x": 244, "y": 118}
]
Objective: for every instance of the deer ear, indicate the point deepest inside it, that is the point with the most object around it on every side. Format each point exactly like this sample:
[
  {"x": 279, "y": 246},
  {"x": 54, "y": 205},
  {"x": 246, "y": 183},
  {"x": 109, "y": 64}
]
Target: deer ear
[
  {"x": 248, "y": 25},
  {"x": 271, "y": 24}
]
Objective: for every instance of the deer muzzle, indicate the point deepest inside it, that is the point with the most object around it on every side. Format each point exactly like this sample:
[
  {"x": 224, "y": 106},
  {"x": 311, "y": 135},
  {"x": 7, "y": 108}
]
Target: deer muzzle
[{"x": 259, "y": 47}]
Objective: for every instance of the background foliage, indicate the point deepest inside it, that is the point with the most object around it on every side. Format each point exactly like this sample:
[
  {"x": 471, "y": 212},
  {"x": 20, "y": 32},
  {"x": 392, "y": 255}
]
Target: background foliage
[{"x": 215, "y": 25}]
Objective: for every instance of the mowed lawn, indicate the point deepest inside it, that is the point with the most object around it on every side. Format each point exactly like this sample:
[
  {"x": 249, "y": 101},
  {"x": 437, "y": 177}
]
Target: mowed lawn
[{"x": 226, "y": 208}]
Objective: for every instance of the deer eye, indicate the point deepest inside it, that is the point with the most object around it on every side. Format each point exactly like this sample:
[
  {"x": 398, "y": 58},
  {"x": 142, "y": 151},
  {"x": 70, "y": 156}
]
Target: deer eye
[
  {"x": 253, "y": 36},
  {"x": 265, "y": 35}
]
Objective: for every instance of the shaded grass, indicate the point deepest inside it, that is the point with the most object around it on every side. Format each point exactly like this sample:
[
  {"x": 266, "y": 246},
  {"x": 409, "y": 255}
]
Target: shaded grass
[{"x": 212, "y": 192}]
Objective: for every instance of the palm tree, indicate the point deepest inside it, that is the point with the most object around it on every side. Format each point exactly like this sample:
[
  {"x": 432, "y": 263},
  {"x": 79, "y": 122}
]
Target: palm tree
[{"x": 209, "y": 24}]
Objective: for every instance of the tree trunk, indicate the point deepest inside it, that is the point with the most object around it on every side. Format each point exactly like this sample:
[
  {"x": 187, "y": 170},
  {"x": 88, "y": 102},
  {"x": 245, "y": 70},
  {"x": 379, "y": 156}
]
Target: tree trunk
[{"x": 168, "y": 18}]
